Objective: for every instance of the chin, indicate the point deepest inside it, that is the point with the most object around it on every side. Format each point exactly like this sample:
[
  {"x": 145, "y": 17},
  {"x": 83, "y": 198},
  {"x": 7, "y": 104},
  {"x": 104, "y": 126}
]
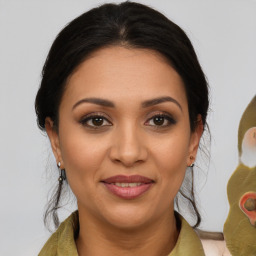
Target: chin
[{"x": 128, "y": 218}]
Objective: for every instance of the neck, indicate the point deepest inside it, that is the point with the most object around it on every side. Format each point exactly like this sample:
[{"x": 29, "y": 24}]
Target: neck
[{"x": 156, "y": 239}]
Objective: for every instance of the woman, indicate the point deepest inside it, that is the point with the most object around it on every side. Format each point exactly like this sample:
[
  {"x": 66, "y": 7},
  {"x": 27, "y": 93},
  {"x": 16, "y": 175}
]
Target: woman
[{"x": 124, "y": 102}]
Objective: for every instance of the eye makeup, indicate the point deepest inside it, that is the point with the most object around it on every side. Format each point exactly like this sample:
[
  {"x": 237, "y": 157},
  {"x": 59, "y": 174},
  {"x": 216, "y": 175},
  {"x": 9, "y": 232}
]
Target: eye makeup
[{"x": 98, "y": 120}]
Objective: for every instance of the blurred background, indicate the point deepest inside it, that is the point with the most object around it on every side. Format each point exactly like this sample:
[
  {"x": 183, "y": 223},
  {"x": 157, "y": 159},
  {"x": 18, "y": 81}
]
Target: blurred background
[{"x": 223, "y": 33}]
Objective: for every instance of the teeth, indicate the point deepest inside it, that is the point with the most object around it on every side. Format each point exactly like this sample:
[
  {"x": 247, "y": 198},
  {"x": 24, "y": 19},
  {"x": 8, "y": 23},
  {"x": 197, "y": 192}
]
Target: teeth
[{"x": 126, "y": 185}]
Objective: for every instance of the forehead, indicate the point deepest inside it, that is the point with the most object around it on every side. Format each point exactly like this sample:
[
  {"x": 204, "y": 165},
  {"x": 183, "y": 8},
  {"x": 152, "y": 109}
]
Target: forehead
[{"x": 119, "y": 73}]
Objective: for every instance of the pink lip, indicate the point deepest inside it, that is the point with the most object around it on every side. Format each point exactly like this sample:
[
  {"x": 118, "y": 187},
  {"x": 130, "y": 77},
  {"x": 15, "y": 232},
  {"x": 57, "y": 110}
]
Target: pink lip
[
  {"x": 128, "y": 192},
  {"x": 128, "y": 179}
]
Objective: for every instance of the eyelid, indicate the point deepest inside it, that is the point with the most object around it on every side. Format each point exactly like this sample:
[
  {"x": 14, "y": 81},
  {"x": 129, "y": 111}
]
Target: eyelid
[
  {"x": 163, "y": 114},
  {"x": 90, "y": 116}
]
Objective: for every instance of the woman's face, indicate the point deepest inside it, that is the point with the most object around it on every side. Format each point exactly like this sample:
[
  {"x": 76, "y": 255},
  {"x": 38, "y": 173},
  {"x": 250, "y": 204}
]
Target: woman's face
[{"x": 124, "y": 136}]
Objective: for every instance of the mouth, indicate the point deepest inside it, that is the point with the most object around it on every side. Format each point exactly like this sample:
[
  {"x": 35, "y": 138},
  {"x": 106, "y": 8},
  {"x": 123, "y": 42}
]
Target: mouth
[{"x": 128, "y": 187}]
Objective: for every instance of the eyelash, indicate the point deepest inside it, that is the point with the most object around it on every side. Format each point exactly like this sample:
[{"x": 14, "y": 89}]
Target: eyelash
[{"x": 93, "y": 116}]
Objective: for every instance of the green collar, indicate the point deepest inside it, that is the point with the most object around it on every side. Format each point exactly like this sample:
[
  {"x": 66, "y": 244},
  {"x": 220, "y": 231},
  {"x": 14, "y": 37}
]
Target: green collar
[{"x": 62, "y": 242}]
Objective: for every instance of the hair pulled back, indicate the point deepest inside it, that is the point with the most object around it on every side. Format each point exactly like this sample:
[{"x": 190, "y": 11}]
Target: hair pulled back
[{"x": 131, "y": 25}]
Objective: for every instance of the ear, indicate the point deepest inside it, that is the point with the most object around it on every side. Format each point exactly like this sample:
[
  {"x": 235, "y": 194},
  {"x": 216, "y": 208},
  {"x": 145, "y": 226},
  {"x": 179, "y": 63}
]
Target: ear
[
  {"x": 54, "y": 139},
  {"x": 194, "y": 140}
]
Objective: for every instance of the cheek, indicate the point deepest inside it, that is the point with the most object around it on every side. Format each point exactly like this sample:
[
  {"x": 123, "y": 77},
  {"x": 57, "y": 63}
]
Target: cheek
[
  {"x": 171, "y": 162},
  {"x": 82, "y": 156}
]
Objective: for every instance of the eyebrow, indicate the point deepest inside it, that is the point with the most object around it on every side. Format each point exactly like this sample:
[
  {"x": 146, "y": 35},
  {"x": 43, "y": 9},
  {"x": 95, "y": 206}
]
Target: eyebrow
[
  {"x": 152, "y": 102},
  {"x": 144, "y": 104}
]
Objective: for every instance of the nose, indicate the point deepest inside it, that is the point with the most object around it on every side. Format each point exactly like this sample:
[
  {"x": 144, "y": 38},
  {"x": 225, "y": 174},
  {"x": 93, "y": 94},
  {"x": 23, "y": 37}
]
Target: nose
[{"x": 127, "y": 146}]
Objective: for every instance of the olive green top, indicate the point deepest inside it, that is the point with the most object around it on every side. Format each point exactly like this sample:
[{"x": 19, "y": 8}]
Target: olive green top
[{"x": 62, "y": 242}]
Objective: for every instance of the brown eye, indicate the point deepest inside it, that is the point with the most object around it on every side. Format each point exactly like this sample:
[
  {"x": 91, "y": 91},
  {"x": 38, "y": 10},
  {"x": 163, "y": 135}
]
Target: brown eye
[
  {"x": 95, "y": 121},
  {"x": 161, "y": 120}
]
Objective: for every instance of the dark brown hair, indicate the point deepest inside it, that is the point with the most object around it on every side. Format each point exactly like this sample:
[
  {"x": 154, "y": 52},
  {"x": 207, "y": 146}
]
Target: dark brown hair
[{"x": 131, "y": 25}]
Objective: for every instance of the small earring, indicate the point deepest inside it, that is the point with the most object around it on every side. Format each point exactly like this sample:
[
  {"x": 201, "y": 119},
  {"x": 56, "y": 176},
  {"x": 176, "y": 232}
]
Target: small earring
[
  {"x": 191, "y": 158},
  {"x": 62, "y": 174}
]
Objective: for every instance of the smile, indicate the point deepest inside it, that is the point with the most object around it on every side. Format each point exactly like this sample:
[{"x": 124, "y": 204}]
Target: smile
[{"x": 128, "y": 187}]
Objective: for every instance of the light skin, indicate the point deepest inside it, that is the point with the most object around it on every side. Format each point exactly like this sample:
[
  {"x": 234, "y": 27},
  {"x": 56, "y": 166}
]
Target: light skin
[{"x": 128, "y": 140}]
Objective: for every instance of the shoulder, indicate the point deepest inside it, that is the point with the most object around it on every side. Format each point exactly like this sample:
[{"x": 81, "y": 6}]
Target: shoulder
[
  {"x": 50, "y": 247},
  {"x": 196, "y": 242},
  {"x": 213, "y": 243},
  {"x": 62, "y": 241},
  {"x": 188, "y": 242}
]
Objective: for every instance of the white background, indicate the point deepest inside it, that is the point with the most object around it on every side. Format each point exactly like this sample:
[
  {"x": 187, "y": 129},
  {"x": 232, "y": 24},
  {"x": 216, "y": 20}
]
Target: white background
[{"x": 224, "y": 35}]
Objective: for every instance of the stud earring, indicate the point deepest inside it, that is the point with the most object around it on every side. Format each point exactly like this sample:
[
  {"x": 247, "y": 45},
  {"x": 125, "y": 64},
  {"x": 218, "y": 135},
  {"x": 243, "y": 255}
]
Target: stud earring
[
  {"x": 62, "y": 173},
  {"x": 192, "y": 164}
]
